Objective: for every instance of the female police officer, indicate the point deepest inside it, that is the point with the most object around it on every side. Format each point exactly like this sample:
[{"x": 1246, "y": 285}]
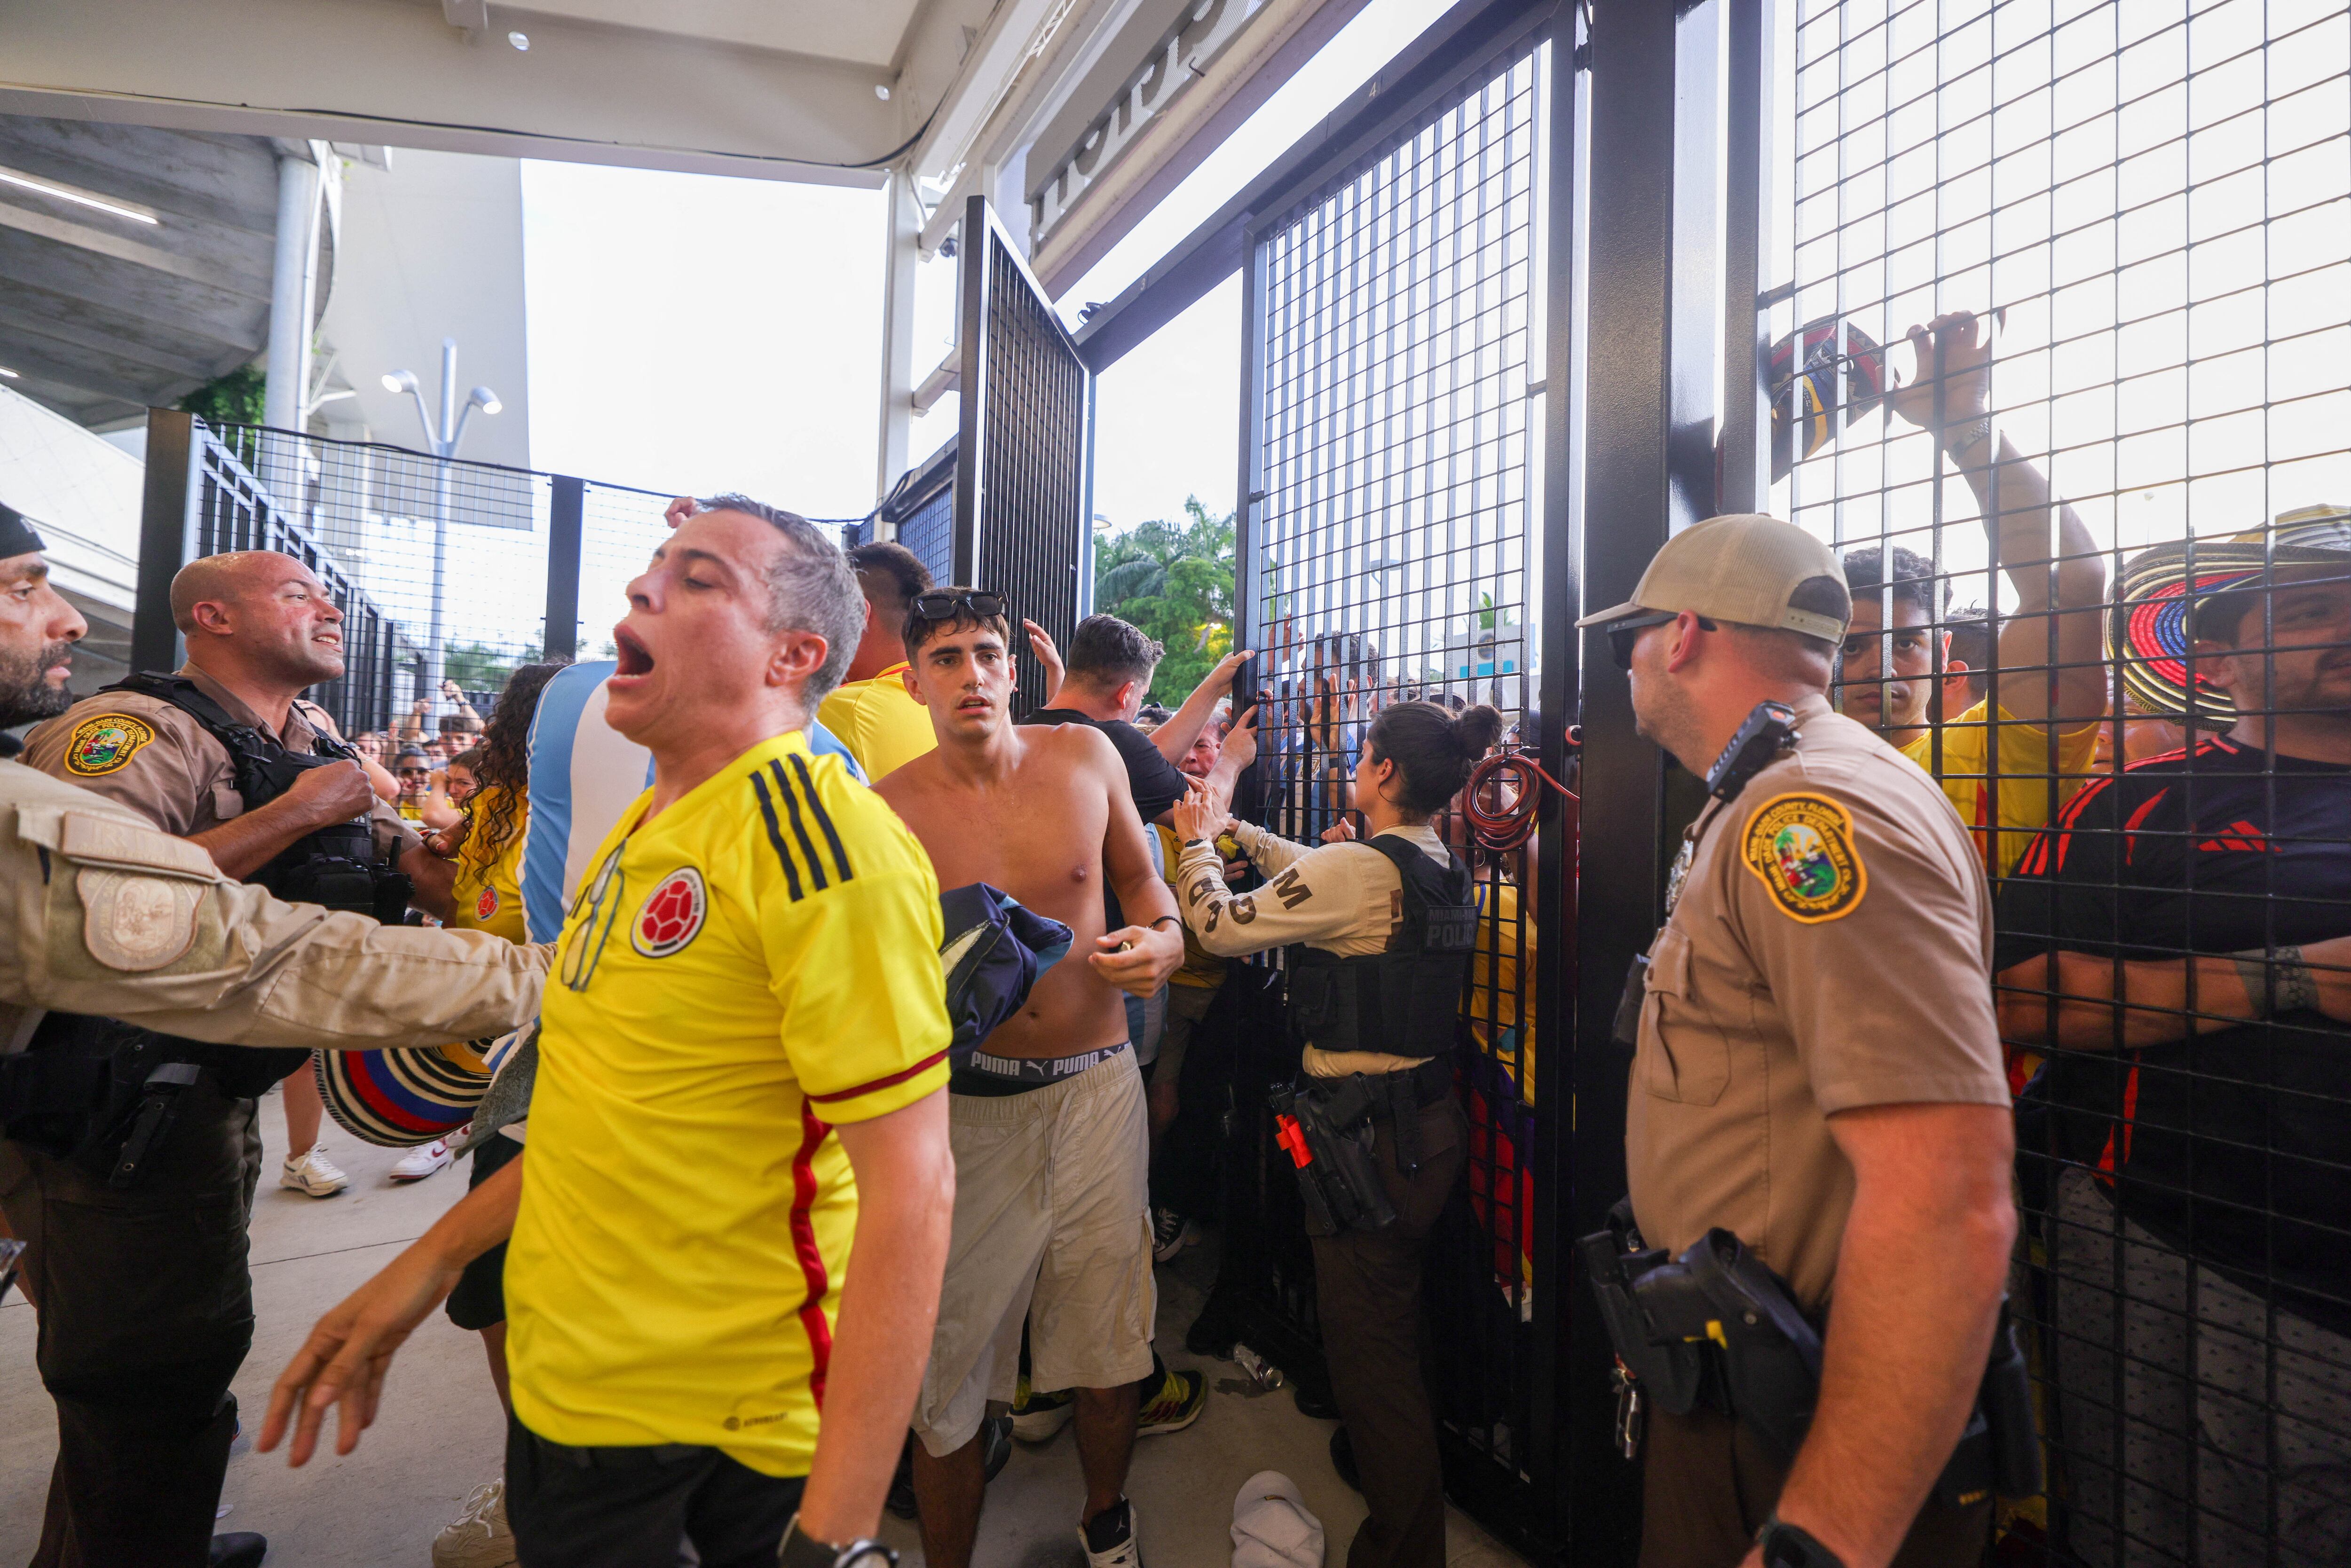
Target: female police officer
[{"x": 1386, "y": 927}]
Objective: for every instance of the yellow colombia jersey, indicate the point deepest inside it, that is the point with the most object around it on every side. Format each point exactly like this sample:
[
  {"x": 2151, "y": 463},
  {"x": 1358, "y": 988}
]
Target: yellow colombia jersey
[
  {"x": 1201, "y": 967},
  {"x": 883, "y": 728},
  {"x": 756, "y": 964},
  {"x": 2035, "y": 776},
  {"x": 488, "y": 894}
]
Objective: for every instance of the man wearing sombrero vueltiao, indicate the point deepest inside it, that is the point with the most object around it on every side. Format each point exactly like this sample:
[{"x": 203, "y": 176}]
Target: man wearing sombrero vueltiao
[{"x": 2203, "y": 1103}]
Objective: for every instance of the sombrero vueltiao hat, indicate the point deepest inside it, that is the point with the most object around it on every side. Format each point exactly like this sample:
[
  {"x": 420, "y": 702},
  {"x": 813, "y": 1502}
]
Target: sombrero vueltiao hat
[
  {"x": 405, "y": 1096},
  {"x": 1806, "y": 408},
  {"x": 2151, "y": 625}
]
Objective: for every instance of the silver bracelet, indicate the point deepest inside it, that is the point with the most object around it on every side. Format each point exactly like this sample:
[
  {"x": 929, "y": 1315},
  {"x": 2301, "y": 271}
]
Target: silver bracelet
[
  {"x": 2276, "y": 980},
  {"x": 1971, "y": 436}
]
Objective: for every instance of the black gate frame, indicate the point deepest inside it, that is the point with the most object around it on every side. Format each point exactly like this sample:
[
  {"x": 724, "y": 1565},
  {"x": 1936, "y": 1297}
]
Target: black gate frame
[{"x": 1006, "y": 483}]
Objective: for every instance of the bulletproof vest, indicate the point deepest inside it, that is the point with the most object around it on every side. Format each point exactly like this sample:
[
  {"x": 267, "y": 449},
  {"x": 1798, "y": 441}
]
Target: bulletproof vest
[
  {"x": 104, "y": 1092},
  {"x": 1406, "y": 1001}
]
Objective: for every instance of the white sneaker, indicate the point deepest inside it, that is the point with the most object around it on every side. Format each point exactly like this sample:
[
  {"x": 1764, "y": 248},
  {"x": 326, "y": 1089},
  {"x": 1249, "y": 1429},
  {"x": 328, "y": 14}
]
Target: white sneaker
[
  {"x": 477, "y": 1538},
  {"x": 1126, "y": 1553},
  {"x": 420, "y": 1163},
  {"x": 314, "y": 1173}
]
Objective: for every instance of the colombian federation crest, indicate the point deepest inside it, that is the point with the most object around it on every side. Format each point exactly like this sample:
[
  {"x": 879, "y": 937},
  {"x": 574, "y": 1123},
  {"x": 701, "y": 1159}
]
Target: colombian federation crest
[
  {"x": 103, "y": 745},
  {"x": 1801, "y": 847},
  {"x": 487, "y": 904},
  {"x": 672, "y": 916}
]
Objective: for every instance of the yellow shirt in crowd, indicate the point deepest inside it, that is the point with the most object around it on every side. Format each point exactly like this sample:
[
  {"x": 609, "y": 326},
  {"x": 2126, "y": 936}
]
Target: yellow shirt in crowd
[
  {"x": 2036, "y": 775},
  {"x": 1201, "y": 967},
  {"x": 488, "y": 891},
  {"x": 882, "y": 726},
  {"x": 756, "y": 965}
]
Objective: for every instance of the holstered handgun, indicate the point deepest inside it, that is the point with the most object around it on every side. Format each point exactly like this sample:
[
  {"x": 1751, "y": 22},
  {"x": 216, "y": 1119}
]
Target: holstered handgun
[{"x": 1340, "y": 1176}]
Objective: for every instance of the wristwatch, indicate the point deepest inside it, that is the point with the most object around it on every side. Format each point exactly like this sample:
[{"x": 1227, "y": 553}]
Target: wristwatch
[
  {"x": 799, "y": 1551},
  {"x": 1786, "y": 1546}
]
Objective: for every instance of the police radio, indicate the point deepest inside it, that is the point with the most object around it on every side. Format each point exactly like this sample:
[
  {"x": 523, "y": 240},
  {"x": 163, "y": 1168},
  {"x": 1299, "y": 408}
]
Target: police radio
[{"x": 1770, "y": 730}]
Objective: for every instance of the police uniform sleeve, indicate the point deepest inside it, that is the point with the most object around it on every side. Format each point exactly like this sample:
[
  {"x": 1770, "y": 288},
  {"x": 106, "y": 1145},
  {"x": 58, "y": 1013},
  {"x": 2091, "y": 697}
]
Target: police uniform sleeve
[
  {"x": 106, "y": 915},
  {"x": 1868, "y": 924},
  {"x": 1319, "y": 896},
  {"x": 851, "y": 941},
  {"x": 144, "y": 754}
]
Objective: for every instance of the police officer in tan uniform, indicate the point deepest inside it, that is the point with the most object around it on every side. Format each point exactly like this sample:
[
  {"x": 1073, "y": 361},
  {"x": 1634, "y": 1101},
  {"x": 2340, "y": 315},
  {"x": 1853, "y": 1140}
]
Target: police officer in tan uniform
[
  {"x": 1818, "y": 1069},
  {"x": 102, "y": 914}
]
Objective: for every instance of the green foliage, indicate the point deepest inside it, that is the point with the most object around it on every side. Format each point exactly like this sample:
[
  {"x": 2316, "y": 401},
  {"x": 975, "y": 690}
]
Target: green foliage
[
  {"x": 1174, "y": 581},
  {"x": 479, "y": 667},
  {"x": 237, "y": 398}
]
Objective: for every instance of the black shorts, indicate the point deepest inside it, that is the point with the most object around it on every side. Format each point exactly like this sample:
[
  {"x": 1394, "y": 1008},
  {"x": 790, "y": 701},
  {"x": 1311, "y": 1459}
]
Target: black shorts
[
  {"x": 479, "y": 1301},
  {"x": 631, "y": 1508}
]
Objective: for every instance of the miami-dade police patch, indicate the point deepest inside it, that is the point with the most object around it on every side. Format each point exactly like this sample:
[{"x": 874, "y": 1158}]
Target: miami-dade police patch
[
  {"x": 672, "y": 915},
  {"x": 1801, "y": 847},
  {"x": 101, "y": 745}
]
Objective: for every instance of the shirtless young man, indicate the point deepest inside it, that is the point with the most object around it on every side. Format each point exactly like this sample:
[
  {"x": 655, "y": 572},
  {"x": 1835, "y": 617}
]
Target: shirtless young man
[{"x": 1051, "y": 1221}]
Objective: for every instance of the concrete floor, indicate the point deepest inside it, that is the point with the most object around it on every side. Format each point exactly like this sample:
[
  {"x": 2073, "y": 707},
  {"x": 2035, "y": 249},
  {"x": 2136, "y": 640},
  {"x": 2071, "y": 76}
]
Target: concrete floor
[{"x": 439, "y": 1433}]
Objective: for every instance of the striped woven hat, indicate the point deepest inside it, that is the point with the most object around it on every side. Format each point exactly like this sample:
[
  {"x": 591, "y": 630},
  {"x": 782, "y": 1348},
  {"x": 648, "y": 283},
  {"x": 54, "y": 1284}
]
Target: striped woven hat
[
  {"x": 2151, "y": 624},
  {"x": 405, "y": 1096}
]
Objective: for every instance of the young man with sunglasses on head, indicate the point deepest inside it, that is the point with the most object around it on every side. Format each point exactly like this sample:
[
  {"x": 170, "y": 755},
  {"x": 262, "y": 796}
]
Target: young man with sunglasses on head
[{"x": 1045, "y": 813}]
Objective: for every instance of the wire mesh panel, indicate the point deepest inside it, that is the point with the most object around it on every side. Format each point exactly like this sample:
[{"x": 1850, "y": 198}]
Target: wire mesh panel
[
  {"x": 619, "y": 529},
  {"x": 2097, "y": 531},
  {"x": 1022, "y": 477},
  {"x": 439, "y": 567},
  {"x": 1389, "y": 556}
]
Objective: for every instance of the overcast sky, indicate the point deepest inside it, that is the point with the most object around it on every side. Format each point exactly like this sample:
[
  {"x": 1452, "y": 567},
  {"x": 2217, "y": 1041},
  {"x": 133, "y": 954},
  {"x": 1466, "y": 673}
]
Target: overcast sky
[{"x": 694, "y": 332}]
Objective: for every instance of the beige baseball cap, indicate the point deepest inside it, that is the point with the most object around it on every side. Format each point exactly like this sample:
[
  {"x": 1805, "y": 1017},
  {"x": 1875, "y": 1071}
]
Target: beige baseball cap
[{"x": 1748, "y": 567}]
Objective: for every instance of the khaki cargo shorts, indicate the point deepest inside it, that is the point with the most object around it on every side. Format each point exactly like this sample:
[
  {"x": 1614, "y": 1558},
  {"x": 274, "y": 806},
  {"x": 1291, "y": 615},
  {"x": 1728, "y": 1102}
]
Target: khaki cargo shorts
[{"x": 1053, "y": 1229}]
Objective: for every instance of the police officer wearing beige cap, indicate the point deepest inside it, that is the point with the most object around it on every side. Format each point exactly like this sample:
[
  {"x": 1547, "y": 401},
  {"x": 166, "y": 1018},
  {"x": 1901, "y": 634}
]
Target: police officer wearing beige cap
[
  {"x": 102, "y": 914},
  {"x": 1817, "y": 1074}
]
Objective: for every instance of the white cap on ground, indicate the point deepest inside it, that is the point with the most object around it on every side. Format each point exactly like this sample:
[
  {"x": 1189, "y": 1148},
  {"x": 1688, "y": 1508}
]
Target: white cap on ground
[{"x": 1272, "y": 1527}]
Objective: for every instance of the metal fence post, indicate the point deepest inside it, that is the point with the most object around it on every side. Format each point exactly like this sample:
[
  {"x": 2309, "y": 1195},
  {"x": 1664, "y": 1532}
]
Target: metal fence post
[
  {"x": 567, "y": 505},
  {"x": 164, "y": 517}
]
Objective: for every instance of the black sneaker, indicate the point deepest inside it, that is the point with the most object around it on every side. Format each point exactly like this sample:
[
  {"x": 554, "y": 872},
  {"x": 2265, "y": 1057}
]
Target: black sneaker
[
  {"x": 1170, "y": 1234},
  {"x": 1109, "y": 1538},
  {"x": 239, "y": 1549}
]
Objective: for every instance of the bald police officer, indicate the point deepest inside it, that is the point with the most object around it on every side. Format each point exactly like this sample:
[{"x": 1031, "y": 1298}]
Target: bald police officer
[
  {"x": 1818, "y": 1068},
  {"x": 101, "y": 915}
]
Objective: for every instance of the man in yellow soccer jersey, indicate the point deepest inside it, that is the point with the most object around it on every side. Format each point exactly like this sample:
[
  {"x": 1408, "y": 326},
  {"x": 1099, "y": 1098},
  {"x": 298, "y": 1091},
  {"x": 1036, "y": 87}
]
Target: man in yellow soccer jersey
[
  {"x": 869, "y": 711},
  {"x": 2048, "y": 662},
  {"x": 746, "y": 1012}
]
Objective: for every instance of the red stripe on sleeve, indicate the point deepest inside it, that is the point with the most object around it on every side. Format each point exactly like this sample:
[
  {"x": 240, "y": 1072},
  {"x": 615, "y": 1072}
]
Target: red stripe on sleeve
[
  {"x": 817, "y": 1278},
  {"x": 899, "y": 1077}
]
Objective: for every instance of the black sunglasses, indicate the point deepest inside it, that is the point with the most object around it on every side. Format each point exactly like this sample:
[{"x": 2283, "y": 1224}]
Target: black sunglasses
[
  {"x": 1623, "y": 634},
  {"x": 946, "y": 606}
]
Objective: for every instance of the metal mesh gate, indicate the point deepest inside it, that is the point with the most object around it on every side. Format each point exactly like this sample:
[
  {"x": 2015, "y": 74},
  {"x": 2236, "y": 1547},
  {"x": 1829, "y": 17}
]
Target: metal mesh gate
[
  {"x": 2132, "y": 553},
  {"x": 1393, "y": 398},
  {"x": 1022, "y": 479}
]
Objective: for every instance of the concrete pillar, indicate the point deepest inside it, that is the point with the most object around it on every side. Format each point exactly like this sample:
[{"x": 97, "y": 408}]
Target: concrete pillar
[
  {"x": 901, "y": 254},
  {"x": 293, "y": 289}
]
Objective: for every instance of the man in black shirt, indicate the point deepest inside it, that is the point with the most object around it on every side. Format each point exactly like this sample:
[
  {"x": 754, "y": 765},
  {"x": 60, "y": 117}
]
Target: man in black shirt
[
  {"x": 1107, "y": 675},
  {"x": 2180, "y": 937}
]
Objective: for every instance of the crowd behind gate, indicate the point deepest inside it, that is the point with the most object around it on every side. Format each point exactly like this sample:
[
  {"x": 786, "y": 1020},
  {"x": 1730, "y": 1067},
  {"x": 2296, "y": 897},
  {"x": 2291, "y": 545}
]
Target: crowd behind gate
[{"x": 2073, "y": 865}]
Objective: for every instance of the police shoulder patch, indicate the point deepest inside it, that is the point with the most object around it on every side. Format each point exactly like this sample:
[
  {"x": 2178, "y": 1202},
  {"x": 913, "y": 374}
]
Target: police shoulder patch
[
  {"x": 1801, "y": 847},
  {"x": 103, "y": 745}
]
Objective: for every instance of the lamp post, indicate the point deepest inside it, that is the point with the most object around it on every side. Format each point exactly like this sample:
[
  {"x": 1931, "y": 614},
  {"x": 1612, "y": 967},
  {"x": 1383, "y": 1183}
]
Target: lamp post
[{"x": 442, "y": 441}]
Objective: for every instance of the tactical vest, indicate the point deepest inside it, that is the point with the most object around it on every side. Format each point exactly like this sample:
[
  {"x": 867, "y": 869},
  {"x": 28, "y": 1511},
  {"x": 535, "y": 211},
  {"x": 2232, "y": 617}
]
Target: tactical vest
[
  {"x": 1406, "y": 1001},
  {"x": 104, "y": 1092}
]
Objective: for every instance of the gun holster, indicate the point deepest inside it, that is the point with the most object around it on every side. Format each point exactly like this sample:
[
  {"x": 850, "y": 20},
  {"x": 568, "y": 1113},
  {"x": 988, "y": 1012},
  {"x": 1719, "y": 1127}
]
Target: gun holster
[
  {"x": 1327, "y": 1134},
  {"x": 1717, "y": 1327}
]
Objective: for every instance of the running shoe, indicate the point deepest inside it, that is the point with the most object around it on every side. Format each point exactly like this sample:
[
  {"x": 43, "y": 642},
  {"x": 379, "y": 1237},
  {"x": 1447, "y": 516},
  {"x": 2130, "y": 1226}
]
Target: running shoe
[
  {"x": 1109, "y": 1538},
  {"x": 1170, "y": 1234},
  {"x": 313, "y": 1173},
  {"x": 480, "y": 1537},
  {"x": 1036, "y": 1417},
  {"x": 422, "y": 1162},
  {"x": 1182, "y": 1397}
]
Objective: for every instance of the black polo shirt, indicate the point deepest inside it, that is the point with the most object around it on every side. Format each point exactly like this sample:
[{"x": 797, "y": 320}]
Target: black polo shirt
[{"x": 2233, "y": 1146}]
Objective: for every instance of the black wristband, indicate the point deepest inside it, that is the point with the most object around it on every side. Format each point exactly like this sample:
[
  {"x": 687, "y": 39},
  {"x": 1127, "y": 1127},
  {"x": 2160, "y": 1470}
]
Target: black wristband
[
  {"x": 1788, "y": 1546},
  {"x": 1153, "y": 925}
]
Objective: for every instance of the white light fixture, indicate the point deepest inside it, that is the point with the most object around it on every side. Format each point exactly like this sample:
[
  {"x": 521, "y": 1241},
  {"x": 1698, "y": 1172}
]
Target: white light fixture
[
  {"x": 5, "y": 372},
  {"x": 485, "y": 400},
  {"x": 882, "y": 91},
  {"x": 521, "y": 41},
  {"x": 137, "y": 214},
  {"x": 400, "y": 382}
]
